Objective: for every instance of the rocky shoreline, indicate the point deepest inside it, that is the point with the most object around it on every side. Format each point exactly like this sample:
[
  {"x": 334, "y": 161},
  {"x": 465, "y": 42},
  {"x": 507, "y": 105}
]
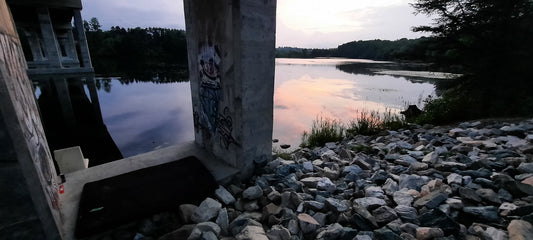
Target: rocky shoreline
[{"x": 470, "y": 181}]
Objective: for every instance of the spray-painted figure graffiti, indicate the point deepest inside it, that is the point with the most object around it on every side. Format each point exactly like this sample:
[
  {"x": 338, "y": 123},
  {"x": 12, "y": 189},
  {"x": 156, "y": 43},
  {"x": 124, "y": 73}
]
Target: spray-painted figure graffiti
[
  {"x": 208, "y": 64},
  {"x": 209, "y": 119}
]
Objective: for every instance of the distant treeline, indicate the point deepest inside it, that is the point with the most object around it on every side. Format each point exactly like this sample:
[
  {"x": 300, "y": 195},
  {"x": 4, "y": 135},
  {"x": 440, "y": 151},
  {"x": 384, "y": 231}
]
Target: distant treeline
[
  {"x": 135, "y": 49},
  {"x": 402, "y": 49}
]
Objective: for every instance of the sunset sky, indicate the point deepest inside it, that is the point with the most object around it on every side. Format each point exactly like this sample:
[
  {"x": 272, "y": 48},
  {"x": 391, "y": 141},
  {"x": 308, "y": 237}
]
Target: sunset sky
[{"x": 300, "y": 23}]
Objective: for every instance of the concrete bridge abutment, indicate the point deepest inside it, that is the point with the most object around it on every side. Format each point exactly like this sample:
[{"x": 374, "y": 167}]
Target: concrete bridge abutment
[{"x": 231, "y": 47}]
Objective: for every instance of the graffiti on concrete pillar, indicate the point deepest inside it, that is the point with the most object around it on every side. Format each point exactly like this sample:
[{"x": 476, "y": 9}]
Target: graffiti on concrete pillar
[{"x": 212, "y": 122}]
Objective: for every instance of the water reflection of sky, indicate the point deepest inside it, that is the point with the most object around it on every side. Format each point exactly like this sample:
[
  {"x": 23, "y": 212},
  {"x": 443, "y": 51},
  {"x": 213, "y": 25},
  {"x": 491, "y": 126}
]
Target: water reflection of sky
[
  {"x": 305, "y": 90},
  {"x": 144, "y": 116}
]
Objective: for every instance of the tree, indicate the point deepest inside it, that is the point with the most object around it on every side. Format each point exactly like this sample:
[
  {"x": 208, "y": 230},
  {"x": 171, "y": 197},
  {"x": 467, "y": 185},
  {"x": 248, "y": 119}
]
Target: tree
[
  {"x": 491, "y": 41},
  {"x": 86, "y": 26},
  {"x": 95, "y": 25}
]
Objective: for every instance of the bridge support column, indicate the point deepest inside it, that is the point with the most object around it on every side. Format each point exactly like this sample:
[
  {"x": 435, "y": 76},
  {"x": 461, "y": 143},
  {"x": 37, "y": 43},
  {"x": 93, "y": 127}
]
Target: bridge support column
[
  {"x": 28, "y": 187},
  {"x": 82, "y": 40},
  {"x": 231, "y": 46},
  {"x": 51, "y": 47}
]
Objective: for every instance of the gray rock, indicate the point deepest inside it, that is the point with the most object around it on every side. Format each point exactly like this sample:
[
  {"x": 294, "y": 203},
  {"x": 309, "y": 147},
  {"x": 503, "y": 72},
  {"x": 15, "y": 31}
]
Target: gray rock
[
  {"x": 386, "y": 234},
  {"x": 403, "y": 197},
  {"x": 469, "y": 194},
  {"x": 431, "y": 157},
  {"x": 223, "y": 221},
  {"x": 311, "y": 182},
  {"x": 321, "y": 218},
  {"x": 455, "y": 203},
  {"x": 307, "y": 223},
  {"x": 411, "y": 182},
  {"x": 314, "y": 205},
  {"x": 242, "y": 221},
  {"x": 409, "y": 228},
  {"x": 362, "y": 163},
  {"x": 290, "y": 200},
  {"x": 332, "y": 232},
  {"x": 390, "y": 186},
  {"x": 185, "y": 212},
  {"x": 489, "y": 195},
  {"x": 374, "y": 191},
  {"x": 362, "y": 237},
  {"x": 336, "y": 205},
  {"x": 207, "y": 210},
  {"x": 326, "y": 185},
  {"x": 208, "y": 227},
  {"x": 416, "y": 154},
  {"x": 438, "y": 219},
  {"x": 400, "y": 144},
  {"x": 352, "y": 169},
  {"x": 307, "y": 166},
  {"x": 368, "y": 219},
  {"x": 418, "y": 166},
  {"x": 251, "y": 206},
  {"x": 370, "y": 202},
  {"x": 505, "y": 208},
  {"x": 425, "y": 233},
  {"x": 526, "y": 167},
  {"x": 496, "y": 234},
  {"x": 274, "y": 196},
  {"x": 330, "y": 173},
  {"x": 252, "y": 193},
  {"x": 293, "y": 227},
  {"x": 272, "y": 209},
  {"x": 505, "y": 195},
  {"x": 278, "y": 232},
  {"x": 406, "y": 213},
  {"x": 454, "y": 178},
  {"x": 224, "y": 195},
  {"x": 431, "y": 200},
  {"x": 487, "y": 213},
  {"x": 457, "y": 132},
  {"x": 252, "y": 233},
  {"x": 384, "y": 214},
  {"x": 520, "y": 230}
]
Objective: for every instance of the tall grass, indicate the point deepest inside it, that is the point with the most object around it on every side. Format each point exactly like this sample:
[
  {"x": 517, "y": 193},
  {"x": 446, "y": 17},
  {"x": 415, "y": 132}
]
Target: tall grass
[
  {"x": 323, "y": 130},
  {"x": 371, "y": 123},
  {"x": 326, "y": 130}
]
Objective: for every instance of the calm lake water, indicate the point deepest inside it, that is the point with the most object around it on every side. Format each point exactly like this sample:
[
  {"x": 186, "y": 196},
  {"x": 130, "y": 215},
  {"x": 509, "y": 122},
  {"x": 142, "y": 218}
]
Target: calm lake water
[{"x": 144, "y": 116}]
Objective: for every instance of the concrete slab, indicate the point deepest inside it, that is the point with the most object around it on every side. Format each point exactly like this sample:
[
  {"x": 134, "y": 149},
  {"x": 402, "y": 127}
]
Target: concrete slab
[{"x": 69, "y": 200}]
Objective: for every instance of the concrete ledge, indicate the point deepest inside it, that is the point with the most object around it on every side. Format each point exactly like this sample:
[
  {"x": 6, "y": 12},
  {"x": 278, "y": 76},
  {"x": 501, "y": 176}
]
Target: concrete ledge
[
  {"x": 69, "y": 201},
  {"x": 50, "y": 71}
]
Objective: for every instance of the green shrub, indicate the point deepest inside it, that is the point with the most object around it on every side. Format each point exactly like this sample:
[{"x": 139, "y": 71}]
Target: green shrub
[{"x": 323, "y": 130}]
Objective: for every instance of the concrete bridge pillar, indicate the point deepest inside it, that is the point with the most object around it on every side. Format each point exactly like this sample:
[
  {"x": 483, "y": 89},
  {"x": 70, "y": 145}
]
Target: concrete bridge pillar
[
  {"x": 51, "y": 47},
  {"x": 231, "y": 46},
  {"x": 28, "y": 186},
  {"x": 82, "y": 40}
]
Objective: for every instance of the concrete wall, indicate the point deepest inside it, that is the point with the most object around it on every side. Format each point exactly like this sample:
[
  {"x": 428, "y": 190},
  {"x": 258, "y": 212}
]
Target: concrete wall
[
  {"x": 28, "y": 181},
  {"x": 231, "y": 46}
]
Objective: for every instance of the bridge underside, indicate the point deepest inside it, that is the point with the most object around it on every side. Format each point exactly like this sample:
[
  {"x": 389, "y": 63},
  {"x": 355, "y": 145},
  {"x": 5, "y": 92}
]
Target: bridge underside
[{"x": 52, "y": 36}]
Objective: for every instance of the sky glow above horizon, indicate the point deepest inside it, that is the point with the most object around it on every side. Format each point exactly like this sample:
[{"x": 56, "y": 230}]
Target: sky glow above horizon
[{"x": 300, "y": 23}]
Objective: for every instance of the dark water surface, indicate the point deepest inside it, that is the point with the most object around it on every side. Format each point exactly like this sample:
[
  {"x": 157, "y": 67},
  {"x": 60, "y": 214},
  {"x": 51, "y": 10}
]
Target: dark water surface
[{"x": 115, "y": 117}]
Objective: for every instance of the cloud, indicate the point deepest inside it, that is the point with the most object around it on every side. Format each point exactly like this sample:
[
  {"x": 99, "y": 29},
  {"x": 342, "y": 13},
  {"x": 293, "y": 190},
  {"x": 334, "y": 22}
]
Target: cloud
[
  {"x": 301, "y": 23},
  {"x": 136, "y": 13},
  {"x": 390, "y": 23}
]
